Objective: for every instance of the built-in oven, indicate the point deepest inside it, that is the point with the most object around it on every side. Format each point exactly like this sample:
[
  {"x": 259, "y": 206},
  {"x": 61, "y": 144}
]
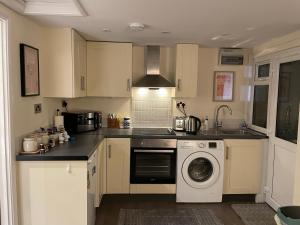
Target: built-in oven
[{"x": 153, "y": 161}]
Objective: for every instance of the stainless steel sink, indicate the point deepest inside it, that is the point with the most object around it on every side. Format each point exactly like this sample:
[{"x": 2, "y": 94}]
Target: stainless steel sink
[{"x": 235, "y": 132}]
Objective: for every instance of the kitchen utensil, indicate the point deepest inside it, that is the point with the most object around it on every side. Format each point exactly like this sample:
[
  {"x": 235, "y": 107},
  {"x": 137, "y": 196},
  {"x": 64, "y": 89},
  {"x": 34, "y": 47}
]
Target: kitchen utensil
[
  {"x": 179, "y": 123},
  {"x": 127, "y": 123},
  {"x": 30, "y": 145},
  {"x": 192, "y": 125}
]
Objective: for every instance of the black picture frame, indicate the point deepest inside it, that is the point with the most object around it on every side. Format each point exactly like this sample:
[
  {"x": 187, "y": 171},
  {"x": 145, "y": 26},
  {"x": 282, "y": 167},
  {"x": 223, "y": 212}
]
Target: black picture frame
[{"x": 30, "y": 71}]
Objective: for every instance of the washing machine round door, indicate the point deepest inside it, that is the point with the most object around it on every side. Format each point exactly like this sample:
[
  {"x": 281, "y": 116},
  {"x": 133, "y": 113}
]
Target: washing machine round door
[{"x": 200, "y": 170}]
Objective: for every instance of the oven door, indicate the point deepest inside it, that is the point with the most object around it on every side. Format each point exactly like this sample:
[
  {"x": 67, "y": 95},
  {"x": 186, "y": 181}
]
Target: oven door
[{"x": 152, "y": 166}]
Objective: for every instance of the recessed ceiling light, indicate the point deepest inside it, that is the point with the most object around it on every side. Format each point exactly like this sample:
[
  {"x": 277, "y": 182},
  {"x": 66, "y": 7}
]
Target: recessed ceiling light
[
  {"x": 136, "y": 26},
  {"x": 106, "y": 30},
  {"x": 215, "y": 38},
  {"x": 219, "y": 36},
  {"x": 250, "y": 28},
  {"x": 242, "y": 42}
]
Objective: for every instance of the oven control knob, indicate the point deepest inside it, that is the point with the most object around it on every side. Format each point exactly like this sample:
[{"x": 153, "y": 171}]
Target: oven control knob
[{"x": 201, "y": 145}]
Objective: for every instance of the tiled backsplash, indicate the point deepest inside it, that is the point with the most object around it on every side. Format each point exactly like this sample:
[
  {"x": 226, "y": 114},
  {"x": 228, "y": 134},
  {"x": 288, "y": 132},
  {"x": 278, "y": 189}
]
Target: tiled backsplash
[{"x": 152, "y": 108}]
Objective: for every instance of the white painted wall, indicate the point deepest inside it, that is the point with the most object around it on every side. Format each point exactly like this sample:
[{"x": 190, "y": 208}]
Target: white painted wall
[
  {"x": 202, "y": 105},
  {"x": 121, "y": 106},
  {"x": 23, "y": 30}
]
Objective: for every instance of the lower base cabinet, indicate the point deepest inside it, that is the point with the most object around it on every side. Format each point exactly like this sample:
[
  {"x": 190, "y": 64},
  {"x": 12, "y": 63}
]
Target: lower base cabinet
[
  {"x": 118, "y": 166},
  {"x": 243, "y": 166},
  {"x": 52, "y": 193}
]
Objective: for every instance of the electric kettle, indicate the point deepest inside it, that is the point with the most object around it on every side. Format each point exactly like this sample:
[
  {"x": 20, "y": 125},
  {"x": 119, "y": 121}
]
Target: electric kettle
[{"x": 192, "y": 125}]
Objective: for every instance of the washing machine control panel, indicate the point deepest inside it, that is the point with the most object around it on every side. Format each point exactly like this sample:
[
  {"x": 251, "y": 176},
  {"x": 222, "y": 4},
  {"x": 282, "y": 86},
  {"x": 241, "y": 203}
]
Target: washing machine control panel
[
  {"x": 212, "y": 144},
  {"x": 202, "y": 145}
]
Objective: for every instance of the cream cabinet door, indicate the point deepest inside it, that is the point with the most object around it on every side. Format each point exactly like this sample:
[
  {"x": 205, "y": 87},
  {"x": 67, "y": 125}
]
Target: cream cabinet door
[
  {"x": 243, "y": 166},
  {"x": 65, "y": 70},
  {"x": 52, "y": 192},
  {"x": 186, "y": 70},
  {"x": 109, "y": 69},
  {"x": 118, "y": 165},
  {"x": 79, "y": 64}
]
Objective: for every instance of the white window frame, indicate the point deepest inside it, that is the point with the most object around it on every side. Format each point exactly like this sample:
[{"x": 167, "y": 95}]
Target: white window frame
[
  {"x": 261, "y": 81},
  {"x": 7, "y": 172}
]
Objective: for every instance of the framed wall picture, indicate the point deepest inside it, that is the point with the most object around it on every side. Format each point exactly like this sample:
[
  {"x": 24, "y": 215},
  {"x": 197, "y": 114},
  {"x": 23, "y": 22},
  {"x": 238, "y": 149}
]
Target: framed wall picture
[
  {"x": 223, "y": 86},
  {"x": 30, "y": 77}
]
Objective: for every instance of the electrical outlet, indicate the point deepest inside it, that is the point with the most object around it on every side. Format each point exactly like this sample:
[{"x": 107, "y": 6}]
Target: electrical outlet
[{"x": 38, "y": 108}]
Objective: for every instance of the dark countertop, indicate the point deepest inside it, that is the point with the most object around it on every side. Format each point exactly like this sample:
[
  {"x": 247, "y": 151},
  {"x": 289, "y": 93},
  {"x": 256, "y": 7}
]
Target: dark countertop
[
  {"x": 85, "y": 144},
  {"x": 211, "y": 134},
  {"x": 81, "y": 148}
]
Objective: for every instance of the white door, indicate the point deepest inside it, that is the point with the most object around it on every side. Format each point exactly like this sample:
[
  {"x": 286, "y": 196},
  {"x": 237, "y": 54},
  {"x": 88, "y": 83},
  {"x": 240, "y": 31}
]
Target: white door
[{"x": 284, "y": 124}]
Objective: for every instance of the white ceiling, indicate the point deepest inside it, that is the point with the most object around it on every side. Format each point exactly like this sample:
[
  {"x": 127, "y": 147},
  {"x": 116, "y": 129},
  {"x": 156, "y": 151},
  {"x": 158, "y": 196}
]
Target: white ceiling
[{"x": 240, "y": 23}]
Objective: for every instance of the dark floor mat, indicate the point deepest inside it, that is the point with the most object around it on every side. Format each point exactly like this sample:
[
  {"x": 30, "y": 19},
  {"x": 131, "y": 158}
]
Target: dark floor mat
[
  {"x": 184, "y": 216},
  {"x": 255, "y": 214}
]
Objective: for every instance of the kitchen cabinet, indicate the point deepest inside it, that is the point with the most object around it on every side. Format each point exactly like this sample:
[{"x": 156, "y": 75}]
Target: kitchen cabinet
[
  {"x": 118, "y": 165},
  {"x": 186, "y": 70},
  {"x": 109, "y": 69},
  {"x": 53, "y": 193},
  {"x": 66, "y": 64},
  {"x": 243, "y": 166}
]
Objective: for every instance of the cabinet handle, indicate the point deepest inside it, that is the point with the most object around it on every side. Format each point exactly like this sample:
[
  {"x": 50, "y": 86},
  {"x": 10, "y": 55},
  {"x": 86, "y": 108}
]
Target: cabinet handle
[
  {"x": 88, "y": 180},
  {"x": 82, "y": 83},
  {"x": 128, "y": 85},
  {"x": 109, "y": 151},
  {"x": 227, "y": 153},
  {"x": 179, "y": 84}
]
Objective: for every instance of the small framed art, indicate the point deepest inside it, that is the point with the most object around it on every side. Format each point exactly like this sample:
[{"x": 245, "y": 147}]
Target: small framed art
[
  {"x": 223, "y": 86},
  {"x": 30, "y": 77}
]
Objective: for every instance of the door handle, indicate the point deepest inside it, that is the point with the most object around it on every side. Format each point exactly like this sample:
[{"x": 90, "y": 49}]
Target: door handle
[
  {"x": 128, "y": 85},
  {"x": 109, "y": 151},
  {"x": 154, "y": 151},
  {"x": 179, "y": 84},
  {"x": 82, "y": 83},
  {"x": 227, "y": 153}
]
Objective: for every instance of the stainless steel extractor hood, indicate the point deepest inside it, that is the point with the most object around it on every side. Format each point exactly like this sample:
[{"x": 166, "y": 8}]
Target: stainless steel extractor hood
[{"x": 153, "y": 78}]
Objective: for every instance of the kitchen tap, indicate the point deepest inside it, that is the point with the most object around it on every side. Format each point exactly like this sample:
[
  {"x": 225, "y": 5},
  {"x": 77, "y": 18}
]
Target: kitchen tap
[{"x": 219, "y": 123}]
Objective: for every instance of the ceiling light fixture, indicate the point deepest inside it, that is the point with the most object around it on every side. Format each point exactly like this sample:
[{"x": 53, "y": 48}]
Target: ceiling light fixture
[
  {"x": 250, "y": 28},
  {"x": 55, "y": 8},
  {"x": 136, "y": 26},
  {"x": 219, "y": 37},
  {"x": 165, "y": 32},
  {"x": 106, "y": 30},
  {"x": 216, "y": 38},
  {"x": 242, "y": 42}
]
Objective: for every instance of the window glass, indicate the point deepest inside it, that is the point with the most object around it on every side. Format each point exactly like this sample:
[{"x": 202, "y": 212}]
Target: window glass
[
  {"x": 288, "y": 101},
  {"x": 263, "y": 70},
  {"x": 260, "y": 106}
]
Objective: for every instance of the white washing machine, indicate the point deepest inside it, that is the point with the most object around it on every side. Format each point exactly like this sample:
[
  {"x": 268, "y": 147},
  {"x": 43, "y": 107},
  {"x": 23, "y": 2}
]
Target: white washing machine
[{"x": 200, "y": 169}]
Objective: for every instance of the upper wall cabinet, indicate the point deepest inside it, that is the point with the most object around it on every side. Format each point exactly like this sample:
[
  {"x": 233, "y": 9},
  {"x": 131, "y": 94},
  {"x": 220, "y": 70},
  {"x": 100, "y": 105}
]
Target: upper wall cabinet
[
  {"x": 66, "y": 64},
  {"x": 109, "y": 69},
  {"x": 186, "y": 70}
]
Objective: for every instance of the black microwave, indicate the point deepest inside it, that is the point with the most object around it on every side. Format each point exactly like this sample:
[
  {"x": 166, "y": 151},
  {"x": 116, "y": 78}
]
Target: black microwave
[{"x": 79, "y": 122}]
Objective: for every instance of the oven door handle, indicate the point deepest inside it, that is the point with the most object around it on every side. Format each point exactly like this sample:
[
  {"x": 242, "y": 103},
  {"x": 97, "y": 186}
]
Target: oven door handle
[{"x": 154, "y": 151}]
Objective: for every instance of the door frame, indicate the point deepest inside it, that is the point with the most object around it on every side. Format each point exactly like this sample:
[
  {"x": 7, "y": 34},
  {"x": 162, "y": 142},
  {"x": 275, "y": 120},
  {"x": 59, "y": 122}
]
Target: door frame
[
  {"x": 7, "y": 182},
  {"x": 276, "y": 60}
]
